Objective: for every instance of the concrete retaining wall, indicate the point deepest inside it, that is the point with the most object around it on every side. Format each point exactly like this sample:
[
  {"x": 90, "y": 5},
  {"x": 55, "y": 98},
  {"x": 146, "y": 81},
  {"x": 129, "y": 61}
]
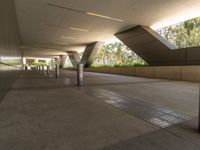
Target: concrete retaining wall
[{"x": 184, "y": 73}]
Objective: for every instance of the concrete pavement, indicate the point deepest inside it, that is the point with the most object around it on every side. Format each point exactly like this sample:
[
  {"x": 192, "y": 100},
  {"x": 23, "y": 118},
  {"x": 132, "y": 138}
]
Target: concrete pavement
[{"x": 41, "y": 113}]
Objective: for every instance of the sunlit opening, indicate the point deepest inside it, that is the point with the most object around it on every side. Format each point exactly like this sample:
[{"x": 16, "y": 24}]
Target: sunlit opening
[{"x": 174, "y": 19}]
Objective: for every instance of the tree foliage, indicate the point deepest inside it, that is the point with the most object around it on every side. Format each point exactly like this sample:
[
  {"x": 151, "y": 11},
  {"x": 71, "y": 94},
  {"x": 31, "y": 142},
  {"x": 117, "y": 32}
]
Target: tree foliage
[
  {"x": 117, "y": 53},
  {"x": 185, "y": 34},
  {"x": 39, "y": 64}
]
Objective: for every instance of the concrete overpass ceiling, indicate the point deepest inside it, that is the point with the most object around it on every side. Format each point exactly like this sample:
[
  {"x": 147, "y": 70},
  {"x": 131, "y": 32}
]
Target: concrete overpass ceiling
[
  {"x": 41, "y": 52},
  {"x": 69, "y": 24},
  {"x": 45, "y": 50}
]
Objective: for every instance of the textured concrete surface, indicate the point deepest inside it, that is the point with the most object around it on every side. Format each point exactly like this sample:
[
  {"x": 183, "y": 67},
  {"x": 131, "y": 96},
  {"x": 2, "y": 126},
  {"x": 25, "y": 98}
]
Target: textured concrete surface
[{"x": 41, "y": 113}]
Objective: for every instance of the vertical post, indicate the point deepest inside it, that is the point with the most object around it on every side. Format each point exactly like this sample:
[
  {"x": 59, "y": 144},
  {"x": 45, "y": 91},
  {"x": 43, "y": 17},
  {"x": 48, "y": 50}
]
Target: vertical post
[
  {"x": 57, "y": 71},
  {"x": 42, "y": 68},
  {"x": 80, "y": 70},
  {"x": 48, "y": 70}
]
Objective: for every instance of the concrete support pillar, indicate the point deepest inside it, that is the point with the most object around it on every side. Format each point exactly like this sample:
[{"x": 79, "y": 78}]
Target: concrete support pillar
[
  {"x": 63, "y": 59},
  {"x": 90, "y": 53},
  {"x": 24, "y": 63},
  {"x": 48, "y": 70},
  {"x": 40, "y": 68},
  {"x": 57, "y": 68},
  {"x": 74, "y": 58},
  {"x": 36, "y": 60},
  {"x": 57, "y": 71},
  {"x": 80, "y": 71}
]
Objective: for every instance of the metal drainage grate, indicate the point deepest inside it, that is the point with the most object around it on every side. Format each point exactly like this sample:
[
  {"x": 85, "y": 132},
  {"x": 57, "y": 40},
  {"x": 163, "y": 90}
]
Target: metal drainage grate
[{"x": 159, "y": 116}]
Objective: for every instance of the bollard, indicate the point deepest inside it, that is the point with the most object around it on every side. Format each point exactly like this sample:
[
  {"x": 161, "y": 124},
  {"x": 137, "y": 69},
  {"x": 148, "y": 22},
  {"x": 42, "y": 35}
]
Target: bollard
[
  {"x": 57, "y": 71},
  {"x": 80, "y": 71},
  {"x": 42, "y": 68},
  {"x": 48, "y": 70}
]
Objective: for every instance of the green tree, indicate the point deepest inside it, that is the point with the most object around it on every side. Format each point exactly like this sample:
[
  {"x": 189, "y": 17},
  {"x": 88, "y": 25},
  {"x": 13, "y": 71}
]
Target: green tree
[
  {"x": 184, "y": 34},
  {"x": 116, "y": 54}
]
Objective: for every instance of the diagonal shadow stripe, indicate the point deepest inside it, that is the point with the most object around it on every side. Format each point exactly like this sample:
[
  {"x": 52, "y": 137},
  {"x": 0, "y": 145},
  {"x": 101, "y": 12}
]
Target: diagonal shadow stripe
[{"x": 158, "y": 140}]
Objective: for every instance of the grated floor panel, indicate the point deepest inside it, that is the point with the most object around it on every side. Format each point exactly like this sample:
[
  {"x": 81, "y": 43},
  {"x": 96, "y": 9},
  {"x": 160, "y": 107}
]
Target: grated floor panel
[{"x": 159, "y": 116}]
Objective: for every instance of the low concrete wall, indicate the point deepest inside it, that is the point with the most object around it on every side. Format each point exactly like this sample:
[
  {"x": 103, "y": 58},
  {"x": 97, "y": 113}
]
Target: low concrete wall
[
  {"x": 171, "y": 72},
  {"x": 145, "y": 72},
  {"x": 190, "y": 73},
  {"x": 184, "y": 73}
]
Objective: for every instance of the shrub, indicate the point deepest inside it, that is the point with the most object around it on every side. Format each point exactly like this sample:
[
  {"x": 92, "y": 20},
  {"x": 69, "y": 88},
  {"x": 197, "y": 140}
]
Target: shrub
[
  {"x": 35, "y": 64},
  {"x": 122, "y": 65}
]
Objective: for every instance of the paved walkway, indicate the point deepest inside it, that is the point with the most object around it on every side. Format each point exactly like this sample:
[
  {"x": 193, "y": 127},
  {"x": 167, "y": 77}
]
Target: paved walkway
[{"x": 110, "y": 112}]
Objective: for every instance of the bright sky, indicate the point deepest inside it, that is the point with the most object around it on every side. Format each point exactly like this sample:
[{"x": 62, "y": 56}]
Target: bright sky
[
  {"x": 173, "y": 20},
  {"x": 113, "y": 40}
]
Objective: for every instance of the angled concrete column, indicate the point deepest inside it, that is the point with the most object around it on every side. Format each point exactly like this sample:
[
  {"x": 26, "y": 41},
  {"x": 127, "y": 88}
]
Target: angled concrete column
[
  {"x": 152, "y": 47},
  {"x": 74, "y": 58},
  {"x": 90, "y": 53},
  {"x": 63, "y": 59},
  {"x": 156, "y": 50}
]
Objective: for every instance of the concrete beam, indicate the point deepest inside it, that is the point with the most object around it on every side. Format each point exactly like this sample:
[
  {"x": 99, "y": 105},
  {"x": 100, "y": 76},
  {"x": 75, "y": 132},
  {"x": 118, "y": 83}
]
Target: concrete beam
[
  {"x": 90, "y": 53},
  {"x": 156, "y": 50},
  {"x": 74, "y": 58}
]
